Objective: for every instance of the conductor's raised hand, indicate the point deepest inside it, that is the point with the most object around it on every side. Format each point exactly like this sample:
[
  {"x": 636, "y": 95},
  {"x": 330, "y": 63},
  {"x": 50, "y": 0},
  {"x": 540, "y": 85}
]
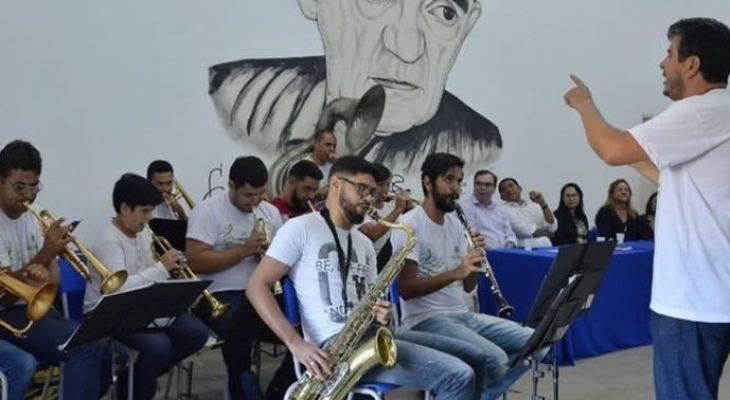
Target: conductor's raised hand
[{"x": 579, "y": 96}]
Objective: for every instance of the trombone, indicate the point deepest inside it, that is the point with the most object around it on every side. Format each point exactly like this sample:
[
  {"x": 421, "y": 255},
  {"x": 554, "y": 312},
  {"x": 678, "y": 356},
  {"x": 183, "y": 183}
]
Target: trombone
[
  {"x": 111, "y": 281},
  {"x": 39, "y": 300},
  {"x": 217, "y": 308},
  {"x": 180, "y": 192}
]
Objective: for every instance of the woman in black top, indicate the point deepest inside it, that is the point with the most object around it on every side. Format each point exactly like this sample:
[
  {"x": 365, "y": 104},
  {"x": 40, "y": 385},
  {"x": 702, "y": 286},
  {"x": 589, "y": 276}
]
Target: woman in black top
[
  {"x": 617, "y": 215},
  {"x": 645, "y": 223},
  {"x": 572, "y": 221}
]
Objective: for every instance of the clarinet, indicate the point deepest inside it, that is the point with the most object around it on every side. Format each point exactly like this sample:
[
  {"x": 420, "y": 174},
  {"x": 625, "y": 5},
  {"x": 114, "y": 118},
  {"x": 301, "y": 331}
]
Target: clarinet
[{"x": 505, "y": 310}]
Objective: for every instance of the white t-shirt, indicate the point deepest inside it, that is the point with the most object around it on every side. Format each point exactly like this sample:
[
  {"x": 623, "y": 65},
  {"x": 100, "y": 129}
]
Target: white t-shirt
[
  {"x": 439, "y": 248},
  {"x": 525, "y": 218},
  {"x": 218, "y": 223},
  {"x": 382, "y": 212},
  {"x": 690, "y": 144},
  {"x": 119, "y": 252},
  {"x": 20, "y": 240},
  {"x": 308, "y": 247},
  {"x": 164, "y": 211},
  {"x": 326, "y": 168}
]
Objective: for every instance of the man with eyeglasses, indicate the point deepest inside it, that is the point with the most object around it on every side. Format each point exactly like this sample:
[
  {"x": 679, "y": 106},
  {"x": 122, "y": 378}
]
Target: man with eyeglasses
[
  {"x": 332, "y": 267},
  {"x": 437, "y": 273},
  {"x": 30, "y": 255},
  {"x": 485, "y": 216}
]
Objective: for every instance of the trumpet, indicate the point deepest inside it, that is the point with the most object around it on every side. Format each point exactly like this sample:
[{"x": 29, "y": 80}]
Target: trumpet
[
  {"x": 504, "y": 309},
  {"x": 259, "y": 223},
  {"x": 110, "y": 281},
  {"x": 181, "y": 193},
  {"x": 217, "y": 308},
  {"x": 39, "y": 300}
]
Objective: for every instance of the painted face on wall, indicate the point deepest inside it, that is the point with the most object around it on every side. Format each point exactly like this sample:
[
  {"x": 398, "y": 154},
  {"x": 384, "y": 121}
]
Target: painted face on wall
[{"x": 407, "y": 46}]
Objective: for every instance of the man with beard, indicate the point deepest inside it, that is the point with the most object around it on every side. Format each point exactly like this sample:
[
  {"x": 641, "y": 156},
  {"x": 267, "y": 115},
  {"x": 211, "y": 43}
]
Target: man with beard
[
  {"x": 301, "y": 187},
  {"x": 441, "y": 268},
  {"x": 686, "y": 149},
  {"x": 162, "y": 176},
  {"x": 332, "y": 267}
]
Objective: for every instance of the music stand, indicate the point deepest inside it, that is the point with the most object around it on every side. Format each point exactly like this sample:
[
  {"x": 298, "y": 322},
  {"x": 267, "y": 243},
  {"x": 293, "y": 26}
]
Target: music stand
[
  {"x": 567, "y": 291},
  {"x": 172, "y": 230},
  {"x": 135, "y": 309}
]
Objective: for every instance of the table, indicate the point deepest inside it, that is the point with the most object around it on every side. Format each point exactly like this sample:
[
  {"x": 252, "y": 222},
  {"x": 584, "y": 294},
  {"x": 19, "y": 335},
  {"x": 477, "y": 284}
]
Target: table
[{"x": 619, "y": 317}]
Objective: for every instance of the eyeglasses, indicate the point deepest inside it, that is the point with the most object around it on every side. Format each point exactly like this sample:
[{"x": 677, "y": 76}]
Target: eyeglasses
[
  {"x": 483, "y": 184},
  {"x": 362, "y": 189},
  {"x": 21, "y": 188}
]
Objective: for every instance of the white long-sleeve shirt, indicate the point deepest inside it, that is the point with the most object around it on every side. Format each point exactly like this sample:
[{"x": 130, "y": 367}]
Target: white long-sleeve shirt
[{"x": 525, "y": 218}]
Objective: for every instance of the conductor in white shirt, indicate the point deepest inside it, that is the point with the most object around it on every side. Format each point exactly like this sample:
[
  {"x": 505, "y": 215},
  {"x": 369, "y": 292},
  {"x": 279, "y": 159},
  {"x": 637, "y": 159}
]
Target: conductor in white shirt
[{"x": 686, "y": 149}]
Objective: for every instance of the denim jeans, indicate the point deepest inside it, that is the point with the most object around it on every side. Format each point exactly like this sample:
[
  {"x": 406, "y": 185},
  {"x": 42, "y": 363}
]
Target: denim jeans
[
  {"x": 688, "y": 357},
  {"x": 160, "y": 350},
  {"x": 239, "y": 328},
  {"x": 424, "y": 368},
  {"x": 492, "y": 343},
  {"x": 19, "y": 368},
  {"x": 82, "y": 365}
]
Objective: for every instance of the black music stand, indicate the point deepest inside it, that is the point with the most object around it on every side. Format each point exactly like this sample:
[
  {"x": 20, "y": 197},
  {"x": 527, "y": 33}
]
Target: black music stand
[
  {"x": 135, "y": 309},
  {"x": 172, "y": 230},
  {"x": 567, "y": 291}
]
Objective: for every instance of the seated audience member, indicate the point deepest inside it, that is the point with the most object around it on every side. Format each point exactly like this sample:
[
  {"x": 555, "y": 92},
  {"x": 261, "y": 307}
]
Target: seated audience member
[
  {"x": 645, "y": 222},
  {"x": 484, "y": 215},
  {"x": 617, "y": 215},
  {"x": 532, "y": 221},
  {"x": 572, "y": 220}
]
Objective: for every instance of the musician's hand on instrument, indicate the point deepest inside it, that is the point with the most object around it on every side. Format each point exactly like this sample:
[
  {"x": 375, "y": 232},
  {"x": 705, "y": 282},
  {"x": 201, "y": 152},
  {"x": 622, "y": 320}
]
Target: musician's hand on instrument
[
  {"x": 172, "y": 201},
  {"x": 402, "y": 200},
  {"x": 316, "y": 360},
  {"x": 479, "y": 240},
  {"x": 255, "y": 245},
  {"x": 35, "y": 273},
  {"x": 56, "y": 237},
  {"x": 382, "y": 311},
  {"x": 170, "y": 260},
  {"x": 469, "y": 265}
]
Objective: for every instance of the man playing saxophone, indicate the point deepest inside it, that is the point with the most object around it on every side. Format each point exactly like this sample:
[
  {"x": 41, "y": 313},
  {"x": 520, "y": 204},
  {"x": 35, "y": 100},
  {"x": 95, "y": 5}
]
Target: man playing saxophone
[
  {"x": 332, "y": 267},
  {"x": 225, "y": 240},
  {"x": 438, "y": 272},
  {"x": 30, "y": 255},
  {"x": 125, "y": 243}
]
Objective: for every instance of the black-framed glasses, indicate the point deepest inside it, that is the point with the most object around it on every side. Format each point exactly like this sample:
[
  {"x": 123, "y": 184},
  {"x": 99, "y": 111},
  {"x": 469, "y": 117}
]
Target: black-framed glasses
[
  {"x": 362, "y": 189},
  {"x": 21, "y": 188},
  {"x": 483, "y": 184}
]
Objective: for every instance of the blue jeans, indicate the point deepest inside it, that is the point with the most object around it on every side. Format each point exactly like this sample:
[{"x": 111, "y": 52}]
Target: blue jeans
[
  {"x": 688, "y": 357},
  {"x": 160, "y": 350},
  {"x": 82, "y": 365},
  {"x": 493, "y": 342},
  {"x": 424, "y": 368},
  {"x": 19, "y": 368}
]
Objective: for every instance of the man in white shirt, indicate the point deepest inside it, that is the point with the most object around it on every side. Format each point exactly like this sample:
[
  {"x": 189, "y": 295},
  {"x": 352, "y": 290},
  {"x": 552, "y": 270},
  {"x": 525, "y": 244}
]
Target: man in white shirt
[
  {"x": 125, "y": 243},
  {"x": 686, "y": 149},
  {"x": 332, "y": 267},
  {"x": 484, "y": 215},
  {"x": 532, "y": 221},
  {"x": 438, "y": 271},
  {"x": 323, "y": 152},
  {"x": 161, "y": 174},
  {"x": 30, "y": 255},
  {"x": 225, "y": 244},
  {"x": 387, "y": 210}
]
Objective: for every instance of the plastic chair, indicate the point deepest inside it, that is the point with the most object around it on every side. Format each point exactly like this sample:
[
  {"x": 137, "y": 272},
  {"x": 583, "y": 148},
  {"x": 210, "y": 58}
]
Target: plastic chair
[{"x": 375, "y": 390}]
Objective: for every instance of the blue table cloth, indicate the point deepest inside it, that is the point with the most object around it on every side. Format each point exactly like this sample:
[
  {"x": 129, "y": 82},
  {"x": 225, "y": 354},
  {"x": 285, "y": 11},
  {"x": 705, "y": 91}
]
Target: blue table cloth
[{"x": 619, "y": 317}]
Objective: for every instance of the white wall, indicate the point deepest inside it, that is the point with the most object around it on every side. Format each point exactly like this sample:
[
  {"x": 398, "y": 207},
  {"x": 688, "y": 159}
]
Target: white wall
[{"x": 105, "y": 87}]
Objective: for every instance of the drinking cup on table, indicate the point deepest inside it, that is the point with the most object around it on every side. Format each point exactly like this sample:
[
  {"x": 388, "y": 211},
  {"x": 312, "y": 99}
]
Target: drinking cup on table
[{"x": 620, "y": 238}]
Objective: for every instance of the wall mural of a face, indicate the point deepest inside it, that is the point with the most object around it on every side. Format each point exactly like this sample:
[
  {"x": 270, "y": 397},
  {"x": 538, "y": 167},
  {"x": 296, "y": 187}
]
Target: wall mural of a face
[{"x": 408, "y": 47}]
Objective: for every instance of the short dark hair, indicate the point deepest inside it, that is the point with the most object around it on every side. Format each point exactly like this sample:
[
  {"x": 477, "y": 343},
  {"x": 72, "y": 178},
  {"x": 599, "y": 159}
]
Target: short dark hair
[
  {"x": 709, "y": 40},
  {"x": 249, "y": 170},
  {"x": 158, "y": 166},
  {"x": 562, "y": 208},
  {"x": 436, "y": 164},
  {"x": 21, "y": 155},
  {"x": 486, "y": 172},
  {"x": 305, "y": 169},
  {"x": 382, "y": 173},
  {"x": 507, "y": 180},
  {"x": 319, "y": 134},
  {"x": 134, "y": 191},
  {"x": 352, "y": 165}
]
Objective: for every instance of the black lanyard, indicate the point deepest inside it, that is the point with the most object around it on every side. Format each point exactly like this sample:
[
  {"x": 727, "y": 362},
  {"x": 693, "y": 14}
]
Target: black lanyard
[{"x": 344, "y": 263}]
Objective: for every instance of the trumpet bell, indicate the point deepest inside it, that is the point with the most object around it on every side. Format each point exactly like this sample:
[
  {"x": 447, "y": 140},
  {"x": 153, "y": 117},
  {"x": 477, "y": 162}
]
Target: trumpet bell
[
  {"x": 39, "y": 300},
  {"x": 114, "y": 281}
]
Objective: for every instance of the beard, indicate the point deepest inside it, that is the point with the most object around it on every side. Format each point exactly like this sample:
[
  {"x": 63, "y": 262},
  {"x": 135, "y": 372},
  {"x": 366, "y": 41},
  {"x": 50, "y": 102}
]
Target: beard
[
  {"x": 674, "y": 88},
  {"x": 445, "y": 203},
  {"x": 297, "y": 203},
  {"x": 350, "y": 211}
]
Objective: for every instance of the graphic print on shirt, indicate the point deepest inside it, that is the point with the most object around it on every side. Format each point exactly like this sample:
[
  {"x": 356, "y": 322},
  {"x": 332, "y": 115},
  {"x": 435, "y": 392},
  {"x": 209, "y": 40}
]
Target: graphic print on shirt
[
  {"x": 432, "y": 264},
  {"x": 339, "y": 289},
  {"x": 234, "y": 237}
]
